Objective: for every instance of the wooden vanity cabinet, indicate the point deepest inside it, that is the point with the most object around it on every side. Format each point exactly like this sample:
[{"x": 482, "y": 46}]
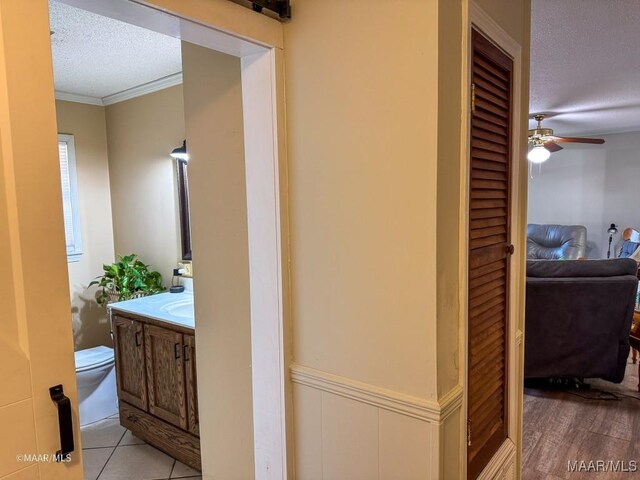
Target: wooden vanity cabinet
[{"x": 157, "y": 387}]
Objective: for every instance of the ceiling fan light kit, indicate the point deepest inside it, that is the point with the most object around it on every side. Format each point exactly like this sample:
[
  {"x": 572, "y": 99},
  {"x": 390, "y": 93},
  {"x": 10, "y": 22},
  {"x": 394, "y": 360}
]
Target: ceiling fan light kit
[
  {"x": 538, "y": 154},
  {"x": 544, "y": 142}
]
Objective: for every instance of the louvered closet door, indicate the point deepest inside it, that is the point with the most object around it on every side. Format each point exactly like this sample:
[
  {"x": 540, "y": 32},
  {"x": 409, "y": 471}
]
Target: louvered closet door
[{"x": 489, "y": 251}]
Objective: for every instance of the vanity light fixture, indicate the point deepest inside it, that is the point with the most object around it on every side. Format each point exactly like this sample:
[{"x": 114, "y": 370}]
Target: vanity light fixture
[
  {"x": 538, "y": 153},
  {"x": 180, "y": 153}
]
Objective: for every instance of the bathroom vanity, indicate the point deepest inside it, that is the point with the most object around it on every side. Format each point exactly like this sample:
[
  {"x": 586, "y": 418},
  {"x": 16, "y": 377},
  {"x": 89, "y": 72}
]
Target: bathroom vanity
[{"x": 155, "y": 361}]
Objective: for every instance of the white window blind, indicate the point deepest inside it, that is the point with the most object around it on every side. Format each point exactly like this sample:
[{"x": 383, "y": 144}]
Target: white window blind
[{"x": 72, "y": 229}]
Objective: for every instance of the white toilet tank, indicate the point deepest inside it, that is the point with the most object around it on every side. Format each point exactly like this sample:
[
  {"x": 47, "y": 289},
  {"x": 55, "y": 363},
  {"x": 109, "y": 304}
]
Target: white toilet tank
[{"x": 96, "y": 377}]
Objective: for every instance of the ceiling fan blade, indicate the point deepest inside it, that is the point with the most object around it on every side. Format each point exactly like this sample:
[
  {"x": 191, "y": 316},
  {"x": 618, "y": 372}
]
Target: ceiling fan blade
[
  {"x": 552, "y": 146},
  {"x": 597, "y": 141}
]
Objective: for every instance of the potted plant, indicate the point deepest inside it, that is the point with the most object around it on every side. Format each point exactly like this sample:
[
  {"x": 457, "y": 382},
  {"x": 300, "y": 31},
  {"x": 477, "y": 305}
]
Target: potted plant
[{"x": 126, "y": 279}]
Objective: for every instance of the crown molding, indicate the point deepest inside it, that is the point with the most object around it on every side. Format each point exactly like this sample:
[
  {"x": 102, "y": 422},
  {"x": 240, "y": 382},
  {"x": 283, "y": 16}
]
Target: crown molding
[
  {"x": 144, "y": 89},
  {"x": 140, "y": 90},
  {"x": 423, "y": 409},
  {"x": 72, "y": 97}
]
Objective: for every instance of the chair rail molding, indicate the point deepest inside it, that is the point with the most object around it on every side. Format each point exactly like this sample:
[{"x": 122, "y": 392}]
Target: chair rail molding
[{"x": 432, "y": 411}]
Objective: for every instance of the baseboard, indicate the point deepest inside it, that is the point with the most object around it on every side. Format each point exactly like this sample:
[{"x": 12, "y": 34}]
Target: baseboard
[
  {"x": 503, "y": 464},
  {"x": 427, "y": 410}
]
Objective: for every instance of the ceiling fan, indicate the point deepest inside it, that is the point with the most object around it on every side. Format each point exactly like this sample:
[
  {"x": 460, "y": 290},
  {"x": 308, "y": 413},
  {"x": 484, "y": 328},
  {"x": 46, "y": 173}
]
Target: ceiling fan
[{"x": 544, "y": 142}]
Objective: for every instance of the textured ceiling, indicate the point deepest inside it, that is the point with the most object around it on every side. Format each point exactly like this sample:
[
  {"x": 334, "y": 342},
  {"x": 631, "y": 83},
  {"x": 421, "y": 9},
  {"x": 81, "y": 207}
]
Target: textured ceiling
[
  {"x": 585, "y": 65},
  {"x": 97, "y": 56}
]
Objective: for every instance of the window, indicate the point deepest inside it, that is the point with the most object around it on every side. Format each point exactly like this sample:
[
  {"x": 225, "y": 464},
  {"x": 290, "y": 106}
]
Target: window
[{"x": 72, "y": 230}]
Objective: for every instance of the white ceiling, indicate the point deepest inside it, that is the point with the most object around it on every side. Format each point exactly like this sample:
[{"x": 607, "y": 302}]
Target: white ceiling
[
  {"x": 585, "y": 65},
  {"x": 96, "y": 56}
]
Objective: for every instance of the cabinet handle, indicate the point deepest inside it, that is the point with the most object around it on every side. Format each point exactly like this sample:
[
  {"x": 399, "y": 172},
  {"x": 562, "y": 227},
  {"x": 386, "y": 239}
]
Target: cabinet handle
[
  {"x": 186, "y": 353},
  {"x": 176, "y": 351},
  {"x": 138, "y": 342}
]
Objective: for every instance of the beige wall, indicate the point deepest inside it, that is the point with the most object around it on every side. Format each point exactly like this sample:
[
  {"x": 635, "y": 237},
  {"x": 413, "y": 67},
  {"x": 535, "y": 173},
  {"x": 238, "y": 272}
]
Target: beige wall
[
  {"x": 141, "y": 133},
  {"x": 374, "y": 136},
  {"x": 214, "y": 125},
  {"x": 88, "y": 126},
  {"x": 361, "y": 117},
  {"x": 451, "y": 58},
  {"x": 515, "y": 18}
]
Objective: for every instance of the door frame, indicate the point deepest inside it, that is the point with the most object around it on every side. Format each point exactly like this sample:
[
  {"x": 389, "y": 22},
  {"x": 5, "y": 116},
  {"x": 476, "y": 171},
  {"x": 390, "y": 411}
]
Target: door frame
[
  {"x": 258, "y": 41},
  {"x": 508, "y": 456}
]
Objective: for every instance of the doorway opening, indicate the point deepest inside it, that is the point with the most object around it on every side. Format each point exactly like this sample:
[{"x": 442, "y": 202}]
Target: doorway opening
[
  {"x": 581, "y": 377},
  {"x": 259, "y": 377}
]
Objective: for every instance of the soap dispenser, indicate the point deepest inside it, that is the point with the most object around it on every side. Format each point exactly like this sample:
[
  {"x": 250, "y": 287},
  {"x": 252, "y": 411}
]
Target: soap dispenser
[{"x": 175, "y": 281}]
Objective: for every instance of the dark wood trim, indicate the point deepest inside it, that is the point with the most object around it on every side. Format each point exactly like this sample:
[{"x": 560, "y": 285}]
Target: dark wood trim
[
  {"x": 488, "y": 49},
  {"x": 183, "y": 207},
  {"x": 281, "y": 8},
  {"x": 173, "y": 441}
]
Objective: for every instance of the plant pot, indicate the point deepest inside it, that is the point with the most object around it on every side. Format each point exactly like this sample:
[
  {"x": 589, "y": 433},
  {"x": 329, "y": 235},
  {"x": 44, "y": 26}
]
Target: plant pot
[{"x": 114, "y": 296}]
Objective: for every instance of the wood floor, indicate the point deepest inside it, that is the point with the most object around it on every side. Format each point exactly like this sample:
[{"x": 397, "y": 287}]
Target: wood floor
[{"x": 560, "y": 427}]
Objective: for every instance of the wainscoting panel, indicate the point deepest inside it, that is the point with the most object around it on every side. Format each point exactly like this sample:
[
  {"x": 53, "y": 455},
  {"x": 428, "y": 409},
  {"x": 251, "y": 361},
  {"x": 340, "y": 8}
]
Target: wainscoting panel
[
  {"x": 350, "y": 436},
  {"x": 307, "y": 421},
  {"x": 404, "y": 446},
  {"x": 450, "y": 448},
  {"x": 349, "y": 429}
]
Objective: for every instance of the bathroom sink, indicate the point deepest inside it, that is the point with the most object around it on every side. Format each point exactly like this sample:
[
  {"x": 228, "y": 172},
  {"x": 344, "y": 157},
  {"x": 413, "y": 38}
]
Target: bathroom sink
[
  {"x": 181, "y": 309},
  {"x": 176, "y": 308}
]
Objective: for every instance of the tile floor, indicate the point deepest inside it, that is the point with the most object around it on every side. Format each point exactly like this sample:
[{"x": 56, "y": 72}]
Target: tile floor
[{"x": 111, "y": 452}]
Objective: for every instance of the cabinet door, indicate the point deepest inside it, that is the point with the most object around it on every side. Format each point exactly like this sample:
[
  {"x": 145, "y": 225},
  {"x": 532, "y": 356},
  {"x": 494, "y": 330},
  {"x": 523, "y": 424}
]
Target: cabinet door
[
  {"x": 130, "y": 364},
  {"x": 165, "y": 375},
  {"x": 193, "y": 420}
]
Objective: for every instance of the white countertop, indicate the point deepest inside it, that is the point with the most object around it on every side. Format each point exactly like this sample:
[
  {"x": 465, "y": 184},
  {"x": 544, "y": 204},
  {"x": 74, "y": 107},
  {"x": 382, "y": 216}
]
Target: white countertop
[{"x": 175, "y": 308}]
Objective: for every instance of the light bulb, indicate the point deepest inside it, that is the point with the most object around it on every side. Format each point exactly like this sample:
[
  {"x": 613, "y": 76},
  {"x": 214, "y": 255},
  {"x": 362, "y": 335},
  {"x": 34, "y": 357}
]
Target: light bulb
[
  {"x": 180, "y": 156},
  {"x": 180, "y": 153},
  {"x": 538, "y": 154}
]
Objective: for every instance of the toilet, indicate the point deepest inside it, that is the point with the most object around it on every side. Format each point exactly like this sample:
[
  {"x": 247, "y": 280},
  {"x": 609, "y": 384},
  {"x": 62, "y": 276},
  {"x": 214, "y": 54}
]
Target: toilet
[{"x": 96, "y": 377}]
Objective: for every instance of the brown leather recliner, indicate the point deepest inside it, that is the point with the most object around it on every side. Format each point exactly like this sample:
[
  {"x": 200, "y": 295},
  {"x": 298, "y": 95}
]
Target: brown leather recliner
[{"x": 556, "y": 242}]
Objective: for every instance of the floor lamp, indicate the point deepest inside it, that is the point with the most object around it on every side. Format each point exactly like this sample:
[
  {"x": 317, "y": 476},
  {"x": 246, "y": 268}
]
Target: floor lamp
[{"x": 612, "y": 231}]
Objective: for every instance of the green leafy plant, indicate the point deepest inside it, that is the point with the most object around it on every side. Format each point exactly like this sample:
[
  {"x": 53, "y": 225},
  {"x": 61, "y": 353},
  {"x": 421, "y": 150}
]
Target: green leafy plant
[{"x": 126, "y": 279}]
